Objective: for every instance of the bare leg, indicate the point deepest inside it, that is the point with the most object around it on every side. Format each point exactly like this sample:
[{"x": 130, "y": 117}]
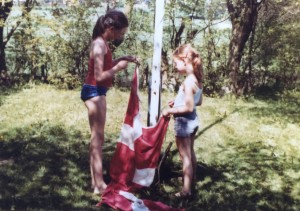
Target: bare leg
[
  {"x": 97, "y": 115},
  {"x": 184, "y": 148},
  {"x": 194, "y": 160}
]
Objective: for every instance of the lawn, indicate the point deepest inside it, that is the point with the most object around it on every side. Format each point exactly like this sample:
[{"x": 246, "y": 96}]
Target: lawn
[{"x": 247, "y": 151}]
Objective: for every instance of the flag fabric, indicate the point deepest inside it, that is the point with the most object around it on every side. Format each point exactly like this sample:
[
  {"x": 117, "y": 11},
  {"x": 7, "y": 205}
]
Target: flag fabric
[{"x": 135, "y": 159}]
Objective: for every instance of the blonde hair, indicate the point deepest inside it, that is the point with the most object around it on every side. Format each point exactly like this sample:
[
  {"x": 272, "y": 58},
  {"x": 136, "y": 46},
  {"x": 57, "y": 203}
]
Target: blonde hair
[{"x": 187, "y": 51}]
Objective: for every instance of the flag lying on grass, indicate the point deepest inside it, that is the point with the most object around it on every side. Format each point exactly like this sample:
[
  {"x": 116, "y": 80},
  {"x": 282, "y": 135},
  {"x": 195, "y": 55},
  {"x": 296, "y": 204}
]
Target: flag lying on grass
[{"x": 135, "y": 160}]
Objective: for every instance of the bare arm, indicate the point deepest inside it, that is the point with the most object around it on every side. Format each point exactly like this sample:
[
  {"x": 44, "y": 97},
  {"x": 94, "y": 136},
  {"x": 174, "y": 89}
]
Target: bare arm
[
  {"x": 98, "y": 51},
  {"x": 188, "y": 105},
  {"x": 126, "y": 58}
]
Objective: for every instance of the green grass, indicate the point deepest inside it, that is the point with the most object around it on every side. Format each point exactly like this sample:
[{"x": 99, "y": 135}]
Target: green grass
[{"x": 247, "y": 151}]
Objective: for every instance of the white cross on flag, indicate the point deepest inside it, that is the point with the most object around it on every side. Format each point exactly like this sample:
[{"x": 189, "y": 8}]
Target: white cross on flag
[{"x": 135, "y": 160}]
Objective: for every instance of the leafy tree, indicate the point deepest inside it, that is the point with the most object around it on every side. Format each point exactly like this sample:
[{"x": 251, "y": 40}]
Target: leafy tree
[
  {"x": 5, "y": 9},
  {"x": 25, "y": 55},
  {"x": 184, "y": 22},
  {"x": 243, "y": 15},
  {"x": 269, "y": 60},
  {"x": 52, "y": 46},
  {"x": 214, "y": 47},
  {"x": 68, "y": 45},
  {"x": 179, "y": 28},
  {"x": 264, "y": 43},
  {"x": 276, "y": 60},
  {"x": 138, "y": 41}
]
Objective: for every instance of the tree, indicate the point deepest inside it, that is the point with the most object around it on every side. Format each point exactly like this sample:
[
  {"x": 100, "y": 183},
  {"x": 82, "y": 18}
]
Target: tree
[
  {"x": 180, "y": 19},
  {"x": 5, "y": 9},
  {"x": 243, "y": 16},
  {"x": 128, "y": 8},
  {"x": 276, "y": 58}
]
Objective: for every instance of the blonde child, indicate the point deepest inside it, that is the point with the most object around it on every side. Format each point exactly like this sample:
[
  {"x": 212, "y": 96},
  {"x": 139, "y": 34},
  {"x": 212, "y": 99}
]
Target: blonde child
[{"x": 187, "y": 61}]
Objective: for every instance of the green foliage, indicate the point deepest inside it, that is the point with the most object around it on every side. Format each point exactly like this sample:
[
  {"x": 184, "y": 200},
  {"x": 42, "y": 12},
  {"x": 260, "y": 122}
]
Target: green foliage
[
  {"x": 51, "y": 44},
  {"x": 65, "y": 80},
  {"x": 138, "y": 42},
  {"x": 274, "y": 55},
  {"x": 215, "y": 54},
  {"x": 279, "y": 52},
  {"x": 26, "y": 54},
  {"x": 70, "y": 41}
]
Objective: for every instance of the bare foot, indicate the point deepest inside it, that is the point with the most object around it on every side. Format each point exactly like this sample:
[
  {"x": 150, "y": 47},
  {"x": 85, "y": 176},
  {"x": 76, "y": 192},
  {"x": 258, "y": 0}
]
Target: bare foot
[
  {"x": 183, "y": 194},
  {"x": 99, "y": 191}
]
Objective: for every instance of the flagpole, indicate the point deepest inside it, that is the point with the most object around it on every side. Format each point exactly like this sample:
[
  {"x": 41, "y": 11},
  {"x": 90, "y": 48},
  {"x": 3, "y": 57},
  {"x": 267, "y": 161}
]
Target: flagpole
[{"x": 154, "y": 110}]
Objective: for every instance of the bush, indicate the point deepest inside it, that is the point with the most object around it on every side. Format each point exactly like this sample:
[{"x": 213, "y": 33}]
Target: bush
[{"x": 65, "y": 81}]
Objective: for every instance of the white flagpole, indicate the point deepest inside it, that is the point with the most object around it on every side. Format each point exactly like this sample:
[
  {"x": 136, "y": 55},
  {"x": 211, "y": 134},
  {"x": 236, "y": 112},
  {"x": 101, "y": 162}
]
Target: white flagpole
[{"x": 154, "y": 109}]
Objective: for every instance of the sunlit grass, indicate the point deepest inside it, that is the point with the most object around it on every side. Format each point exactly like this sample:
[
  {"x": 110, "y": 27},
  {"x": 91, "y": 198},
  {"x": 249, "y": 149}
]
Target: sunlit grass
[{"x": 247, "y": 151}]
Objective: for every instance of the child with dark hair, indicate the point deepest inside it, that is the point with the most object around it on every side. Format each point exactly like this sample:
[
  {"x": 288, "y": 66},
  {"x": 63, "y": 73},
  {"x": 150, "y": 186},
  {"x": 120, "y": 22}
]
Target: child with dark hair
[{"x": 101, "y": 69}]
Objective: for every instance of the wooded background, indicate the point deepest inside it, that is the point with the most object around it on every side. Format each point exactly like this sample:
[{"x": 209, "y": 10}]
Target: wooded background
[{"x": 247, "y": 46}]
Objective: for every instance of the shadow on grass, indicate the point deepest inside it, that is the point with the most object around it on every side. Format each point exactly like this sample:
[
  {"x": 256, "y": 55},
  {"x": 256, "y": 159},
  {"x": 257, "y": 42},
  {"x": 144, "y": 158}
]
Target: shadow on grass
[
  {"x": 285, "y": 107},
  {"x": 250, "y": 177},
  {"x": 241, "y": 176},
  {"x": 217, "y": 121},
  {"x": 6, "y": 91},
  {"x": 46, "y": 167}
]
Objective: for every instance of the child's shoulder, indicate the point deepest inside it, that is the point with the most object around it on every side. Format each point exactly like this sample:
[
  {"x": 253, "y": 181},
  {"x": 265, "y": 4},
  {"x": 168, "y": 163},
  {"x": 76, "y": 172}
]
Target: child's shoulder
[
  {"x": 99, "y": 42},
  {"x": 99, "y": 45},
  {"x": 191, "y": 82}
]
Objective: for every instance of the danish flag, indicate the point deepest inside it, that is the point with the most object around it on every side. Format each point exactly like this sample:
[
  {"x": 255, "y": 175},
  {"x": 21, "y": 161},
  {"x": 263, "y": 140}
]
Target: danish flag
[{"x": 135, "y": 159}]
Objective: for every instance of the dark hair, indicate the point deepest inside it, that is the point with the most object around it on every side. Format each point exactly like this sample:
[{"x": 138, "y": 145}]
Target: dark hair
[{"x": 113, "y": 18}]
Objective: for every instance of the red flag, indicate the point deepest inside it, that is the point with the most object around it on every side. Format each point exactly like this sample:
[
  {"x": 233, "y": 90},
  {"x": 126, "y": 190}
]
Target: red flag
[{"x": 135, "y": 160}]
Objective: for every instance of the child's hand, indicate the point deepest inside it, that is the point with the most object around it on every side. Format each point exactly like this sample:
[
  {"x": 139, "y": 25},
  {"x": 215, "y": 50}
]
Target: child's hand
[
  {"x": 131, "y": 59},
  {"x": 165, "y": 113},
  {"x": 122, "y": 64},
  {"x": 171, "y": 103}
]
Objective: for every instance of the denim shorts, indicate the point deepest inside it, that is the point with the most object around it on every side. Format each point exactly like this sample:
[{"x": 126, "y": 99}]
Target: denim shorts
[
  {"x": 186, "y": 125},
  {"x": 90, "y": 91}
]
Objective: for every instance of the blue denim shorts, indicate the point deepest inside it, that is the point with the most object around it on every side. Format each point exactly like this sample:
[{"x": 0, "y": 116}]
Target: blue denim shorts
[
  {"x": 89, "y": 91},
  {"x": 186, "y": 125}
]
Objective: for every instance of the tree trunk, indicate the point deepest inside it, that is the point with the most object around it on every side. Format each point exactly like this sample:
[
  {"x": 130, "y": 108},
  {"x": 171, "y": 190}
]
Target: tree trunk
[
  {"x": 128, "y": 8},
  {"x": 248, "y": 67},
  {"x": 2, "y": 54},
  {"x": 178, "y": 35},
  {"x": 243, "y": 15},
  {"x": 5, "y": 8}
]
